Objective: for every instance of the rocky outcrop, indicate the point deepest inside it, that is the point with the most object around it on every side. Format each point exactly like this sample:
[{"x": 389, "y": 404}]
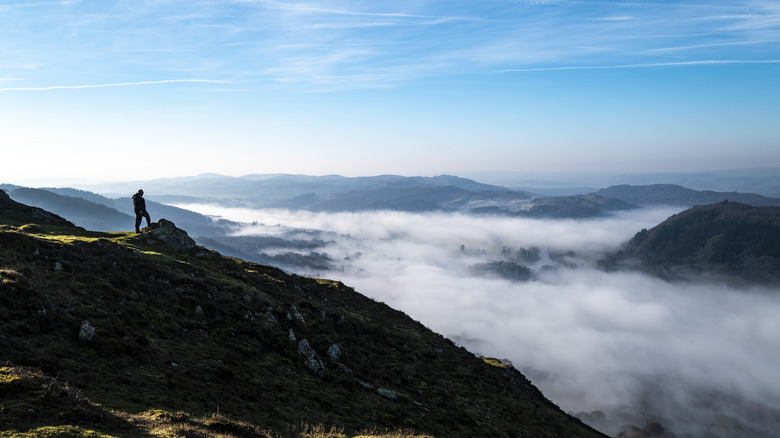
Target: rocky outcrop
[
  {"x": 86, "y": 332},
  {"x": 167, "y": 232},
  {"x": 311, "y": 359}
]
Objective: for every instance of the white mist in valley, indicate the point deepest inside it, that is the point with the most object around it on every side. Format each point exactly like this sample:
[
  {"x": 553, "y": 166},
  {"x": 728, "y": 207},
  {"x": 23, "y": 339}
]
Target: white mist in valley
[{"x": 699, "y": 357}]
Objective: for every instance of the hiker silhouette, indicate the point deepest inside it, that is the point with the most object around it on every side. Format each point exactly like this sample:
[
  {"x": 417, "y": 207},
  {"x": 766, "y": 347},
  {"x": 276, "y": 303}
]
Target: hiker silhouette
[{"x": 139, "y": 205}]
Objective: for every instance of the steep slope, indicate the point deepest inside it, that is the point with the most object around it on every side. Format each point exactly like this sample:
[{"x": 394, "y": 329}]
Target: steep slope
[
  {"x": 670, "y": 194},
  {"x": 728, "y": 240},
  {"x": 137, "y": 324}
]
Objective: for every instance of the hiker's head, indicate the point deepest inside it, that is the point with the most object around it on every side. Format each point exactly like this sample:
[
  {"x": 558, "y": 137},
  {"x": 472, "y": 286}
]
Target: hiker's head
[{"x": 140, "y": 192}]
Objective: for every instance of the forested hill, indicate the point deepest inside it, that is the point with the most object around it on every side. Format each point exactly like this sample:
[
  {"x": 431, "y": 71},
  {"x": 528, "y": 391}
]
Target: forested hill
[
  {"x": 727, "y": 240},
  {"x": 146, "y": 335}
]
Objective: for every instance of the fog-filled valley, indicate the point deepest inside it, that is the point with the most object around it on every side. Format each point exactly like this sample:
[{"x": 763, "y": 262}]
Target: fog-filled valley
[{"x": 616, "y": 348}]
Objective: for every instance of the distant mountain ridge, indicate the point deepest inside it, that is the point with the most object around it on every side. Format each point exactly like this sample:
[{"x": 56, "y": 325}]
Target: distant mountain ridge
[
  {"x": 334, "y": 193},
  {"x": 671, "y": 194}
]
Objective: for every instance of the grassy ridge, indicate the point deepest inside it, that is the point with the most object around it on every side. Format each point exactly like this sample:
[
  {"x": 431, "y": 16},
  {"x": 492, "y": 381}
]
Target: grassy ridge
[{"x": 193, "y": 335}]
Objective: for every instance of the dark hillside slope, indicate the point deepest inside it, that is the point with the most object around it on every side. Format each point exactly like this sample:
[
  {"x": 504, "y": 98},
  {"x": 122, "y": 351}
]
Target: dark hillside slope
[
  {"x": 86, "y": 213},
  {"x": 728, "y": 240},
  {"x": 135, "y": 324}
]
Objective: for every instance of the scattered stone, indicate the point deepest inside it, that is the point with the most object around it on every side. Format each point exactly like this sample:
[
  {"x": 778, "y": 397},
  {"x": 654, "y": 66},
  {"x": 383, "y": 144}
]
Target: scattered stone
[
  {"x": 390, "y": 394},
  {"x": 311, "y": 359},
  {"x": 344, "y": 369},
  {"x": 295, "y": 314},
  {"x": 270, "y": 316},
  {"x": 366, "y": 384},
  {"x": 58, "y": 266},
  {"x": 292, "y": 335},
  {"x": 87, "y": 332},
  {"x": 198, "y": 311},
  {"x": 334, "y": 351}
]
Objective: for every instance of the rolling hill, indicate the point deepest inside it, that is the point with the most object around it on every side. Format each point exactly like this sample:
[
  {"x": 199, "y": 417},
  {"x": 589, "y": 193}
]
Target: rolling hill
[{"x": 727, "y": 241}]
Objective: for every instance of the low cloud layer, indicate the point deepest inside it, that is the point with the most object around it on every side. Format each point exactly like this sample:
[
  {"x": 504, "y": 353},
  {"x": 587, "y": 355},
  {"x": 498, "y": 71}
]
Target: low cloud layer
[{"x": 699, "y": 357}]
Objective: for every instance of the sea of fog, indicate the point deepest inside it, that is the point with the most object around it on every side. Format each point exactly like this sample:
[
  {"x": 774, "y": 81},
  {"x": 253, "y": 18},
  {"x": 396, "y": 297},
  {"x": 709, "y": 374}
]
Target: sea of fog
[{"x": 616, "y": 348}]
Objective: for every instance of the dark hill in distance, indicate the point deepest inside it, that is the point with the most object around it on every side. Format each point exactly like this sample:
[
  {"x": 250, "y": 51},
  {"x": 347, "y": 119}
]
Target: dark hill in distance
[
  {"x": 140, "y": 334},
  {"x": 728, "y": 240},
  {"x": 261, "y": 191},
  {"x": 670, "y": 194}
]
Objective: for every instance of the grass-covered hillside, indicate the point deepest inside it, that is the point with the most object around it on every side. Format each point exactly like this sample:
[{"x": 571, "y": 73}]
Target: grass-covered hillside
[{"x": 118, "y": 334}]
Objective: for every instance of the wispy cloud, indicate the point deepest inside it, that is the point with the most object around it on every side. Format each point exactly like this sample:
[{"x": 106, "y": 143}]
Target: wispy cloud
[
  {"x": 120, "y": 84},
  {"x": 643, "y": 65},
  {"x": 251, "y": 39}
]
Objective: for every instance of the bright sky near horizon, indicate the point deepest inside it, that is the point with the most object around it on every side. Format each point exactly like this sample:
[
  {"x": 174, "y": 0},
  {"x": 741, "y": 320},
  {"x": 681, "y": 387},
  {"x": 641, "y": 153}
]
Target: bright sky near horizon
[{"x": 128, "y": 90}]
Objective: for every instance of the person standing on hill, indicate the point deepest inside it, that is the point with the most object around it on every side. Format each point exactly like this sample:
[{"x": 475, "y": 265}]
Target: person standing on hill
[{"x": 139, "y": 205}]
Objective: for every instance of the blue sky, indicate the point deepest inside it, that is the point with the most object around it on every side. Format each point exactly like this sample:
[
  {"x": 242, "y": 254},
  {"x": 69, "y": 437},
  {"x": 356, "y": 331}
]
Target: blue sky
[{"x": 117, "y": 90}]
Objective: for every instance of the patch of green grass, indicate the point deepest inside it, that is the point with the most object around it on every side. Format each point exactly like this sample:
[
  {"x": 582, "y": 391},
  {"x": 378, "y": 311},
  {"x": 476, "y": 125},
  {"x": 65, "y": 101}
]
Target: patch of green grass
[
  {"x": 54, "y": 432},
  {"x": 495, "y": 362}
]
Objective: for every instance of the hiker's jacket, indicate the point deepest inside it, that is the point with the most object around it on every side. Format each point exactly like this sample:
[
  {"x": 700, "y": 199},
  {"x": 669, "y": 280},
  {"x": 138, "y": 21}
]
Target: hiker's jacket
[{"x": 139, "y": 203}]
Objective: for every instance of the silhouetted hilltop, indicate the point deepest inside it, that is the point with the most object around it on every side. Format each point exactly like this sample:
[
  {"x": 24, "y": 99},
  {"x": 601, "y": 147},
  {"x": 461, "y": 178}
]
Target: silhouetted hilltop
[
  {"x": 670, "y": 194},
  {"x": 151, "y": 330},
  {"x": 724, "y": 240},
  {"x": 15, "y": 213},
  {"x": 86, "y": 213}
]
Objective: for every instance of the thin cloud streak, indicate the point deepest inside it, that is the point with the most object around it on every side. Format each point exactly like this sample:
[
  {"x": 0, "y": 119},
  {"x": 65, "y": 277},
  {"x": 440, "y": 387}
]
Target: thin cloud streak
[
  {"x": 646, "y": 65},
  {"x": 121, "y": 84}
]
